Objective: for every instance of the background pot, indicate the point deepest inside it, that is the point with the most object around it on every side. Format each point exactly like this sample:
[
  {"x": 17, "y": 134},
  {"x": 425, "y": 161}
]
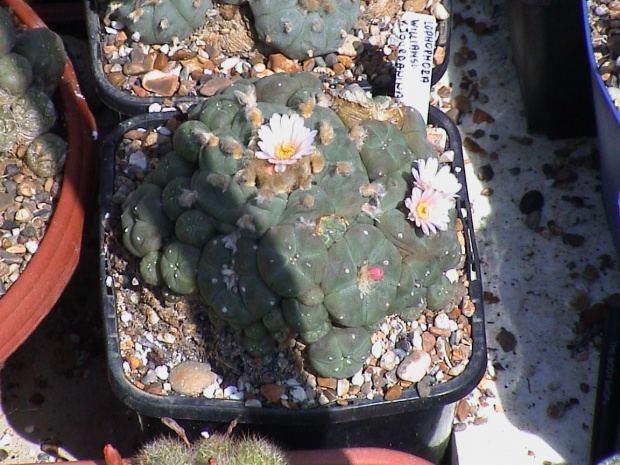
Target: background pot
[
  {"x": 428, "y": 419},
  {"x": 38, "y": 288},
  {"x": 128, "y": 104},
  {"x": 546, "y": 35}
]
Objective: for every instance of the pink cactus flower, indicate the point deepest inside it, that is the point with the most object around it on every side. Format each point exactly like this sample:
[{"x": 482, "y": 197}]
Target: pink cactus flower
[
  {"x": 429, "y": 175},
  {"x": 284, "y": 141},
  {"x": 429, "y": 209}
]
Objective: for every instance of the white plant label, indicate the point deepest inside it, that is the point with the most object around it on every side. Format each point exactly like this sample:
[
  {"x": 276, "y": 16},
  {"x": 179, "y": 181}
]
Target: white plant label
[{"x": 414, "y": 65}]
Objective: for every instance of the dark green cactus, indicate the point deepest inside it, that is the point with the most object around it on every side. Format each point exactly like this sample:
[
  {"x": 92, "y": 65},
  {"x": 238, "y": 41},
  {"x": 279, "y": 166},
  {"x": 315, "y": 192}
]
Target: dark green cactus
[
  {"x": 341, "y": 353},
  {"x": 159, "y": 21},
  {"x": 300, "y": 214},
  {"x": 46, "y": 54},
  {"x": 145, "y": 225},
  {"x": 304, "y": 28}
]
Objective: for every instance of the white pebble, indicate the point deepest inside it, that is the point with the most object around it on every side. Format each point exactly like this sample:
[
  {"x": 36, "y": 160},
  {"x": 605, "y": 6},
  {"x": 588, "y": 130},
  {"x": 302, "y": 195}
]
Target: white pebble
[
  {"x": 452, "y": 275},
  {"x": 442, "y": 321},
  {"x": 138, "y": 159},
  {"x": 357, "y": 379},
  {"x": 165, "y": 48},
  {"x": 126, "y": 317},
  {"x": 111, "y": 30},
  {"x": 154, "y": 108},
  {"x": 162, "y": 372},
  {"x": 417, "y": 340},
  {"x": 230, "y": 391},
  {"x": 253, "y": 403},
  {"x": 377, "y": 349},
  {"x": 31, "y": 246},
  {"x": 229, "y": 63},
  {"x": 209, "y": 391},
  {"x": 135, "y": 36}
]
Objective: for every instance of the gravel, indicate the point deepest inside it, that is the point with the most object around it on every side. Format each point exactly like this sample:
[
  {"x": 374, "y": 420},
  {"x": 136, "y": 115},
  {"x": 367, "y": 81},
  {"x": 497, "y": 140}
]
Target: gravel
[{"x": 604, "y": 21}]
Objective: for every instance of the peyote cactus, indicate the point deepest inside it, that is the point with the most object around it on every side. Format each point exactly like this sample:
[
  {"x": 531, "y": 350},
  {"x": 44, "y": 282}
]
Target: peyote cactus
[
  {"x": 160, "y": 21},
  {"x": 304, "y": 28},
  {"x": 298, "y": 213},
  {"x": 46, "y": 54},
  {"x": 31, "y": 66},
  {"x": 297, "y": 28}
]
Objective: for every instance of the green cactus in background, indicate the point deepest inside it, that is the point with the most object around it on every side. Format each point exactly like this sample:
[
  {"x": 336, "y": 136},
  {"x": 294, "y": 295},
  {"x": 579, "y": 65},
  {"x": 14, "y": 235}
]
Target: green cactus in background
[
  {"x": 7, "y": 32},
  {"x": 304, "y": 28},
  {"x": 46, "y": 155},
  {"x": 309, "y": 213},
  {"x": 46, "y": 54},
  {"x": 15, "y": 77},
  {"x": 31, "y": 67},
  {"x": 160, "y": 21}
]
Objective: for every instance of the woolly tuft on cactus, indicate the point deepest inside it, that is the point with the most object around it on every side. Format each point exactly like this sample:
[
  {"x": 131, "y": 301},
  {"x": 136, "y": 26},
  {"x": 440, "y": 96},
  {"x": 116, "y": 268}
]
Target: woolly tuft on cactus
[
  {"x": 302, "y": 216},
  {"x": 160, "y": 21}
]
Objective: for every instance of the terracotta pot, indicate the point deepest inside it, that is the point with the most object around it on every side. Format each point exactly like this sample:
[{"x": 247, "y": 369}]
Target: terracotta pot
[
  {"x": 346, "y": 456},
  {"x": 38, "y": 288}
]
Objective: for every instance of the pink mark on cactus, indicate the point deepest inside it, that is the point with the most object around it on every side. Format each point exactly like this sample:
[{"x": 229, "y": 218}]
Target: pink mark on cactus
[{"x": 376, "y": 273}]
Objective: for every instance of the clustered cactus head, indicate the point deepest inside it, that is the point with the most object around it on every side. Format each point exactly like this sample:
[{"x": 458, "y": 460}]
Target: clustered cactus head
[
  {"x": 161, "y": 21},
  {"x": 298, "y": 29},
  {"x": 31, "y": 66},
  {"x": 304, "y": 28},
  {"x": 216, "y": 449},
  {"x": 297, "y": 213}
]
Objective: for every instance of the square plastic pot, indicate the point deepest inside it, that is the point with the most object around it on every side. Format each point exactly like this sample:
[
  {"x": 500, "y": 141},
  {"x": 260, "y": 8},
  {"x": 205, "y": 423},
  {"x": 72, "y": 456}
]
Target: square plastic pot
[
  {"x": 547, "y": 35},
  {"x": 126, "y": 103},
  {"x": 421, "y": 426}
]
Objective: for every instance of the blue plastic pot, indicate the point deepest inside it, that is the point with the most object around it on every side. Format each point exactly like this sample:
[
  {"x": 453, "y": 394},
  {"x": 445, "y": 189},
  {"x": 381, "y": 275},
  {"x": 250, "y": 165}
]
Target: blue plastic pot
[{"x": 608, "y": 130}]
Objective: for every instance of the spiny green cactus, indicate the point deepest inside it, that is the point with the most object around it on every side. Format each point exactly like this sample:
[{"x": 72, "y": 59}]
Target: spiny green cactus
[
  {"x": 165, "y": 450},
  {"x": 160, "y": 21},
  {"x": 304, "y": 28},
  {"x": 310, "y": 223},
  {"x": 218, "y": 448}
]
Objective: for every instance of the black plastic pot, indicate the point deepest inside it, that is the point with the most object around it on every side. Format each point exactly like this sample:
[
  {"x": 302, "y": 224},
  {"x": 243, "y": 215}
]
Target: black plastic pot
[
  {"x": 607, "y": 119},
  {"x": 418, "y": 425},
  {"x": 552, "y": 65},
  {"x": 128, "y": 104}
]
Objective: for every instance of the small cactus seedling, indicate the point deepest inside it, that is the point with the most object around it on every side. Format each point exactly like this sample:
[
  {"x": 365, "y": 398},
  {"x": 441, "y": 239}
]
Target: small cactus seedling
[
  {"x": 298, "y": 219},
  {"x": 161, "y": 21}
]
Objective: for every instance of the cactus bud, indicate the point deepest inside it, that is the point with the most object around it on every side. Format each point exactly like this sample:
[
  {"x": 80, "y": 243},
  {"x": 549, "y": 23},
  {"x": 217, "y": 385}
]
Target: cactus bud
[{"x": 375, "y": 273}]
